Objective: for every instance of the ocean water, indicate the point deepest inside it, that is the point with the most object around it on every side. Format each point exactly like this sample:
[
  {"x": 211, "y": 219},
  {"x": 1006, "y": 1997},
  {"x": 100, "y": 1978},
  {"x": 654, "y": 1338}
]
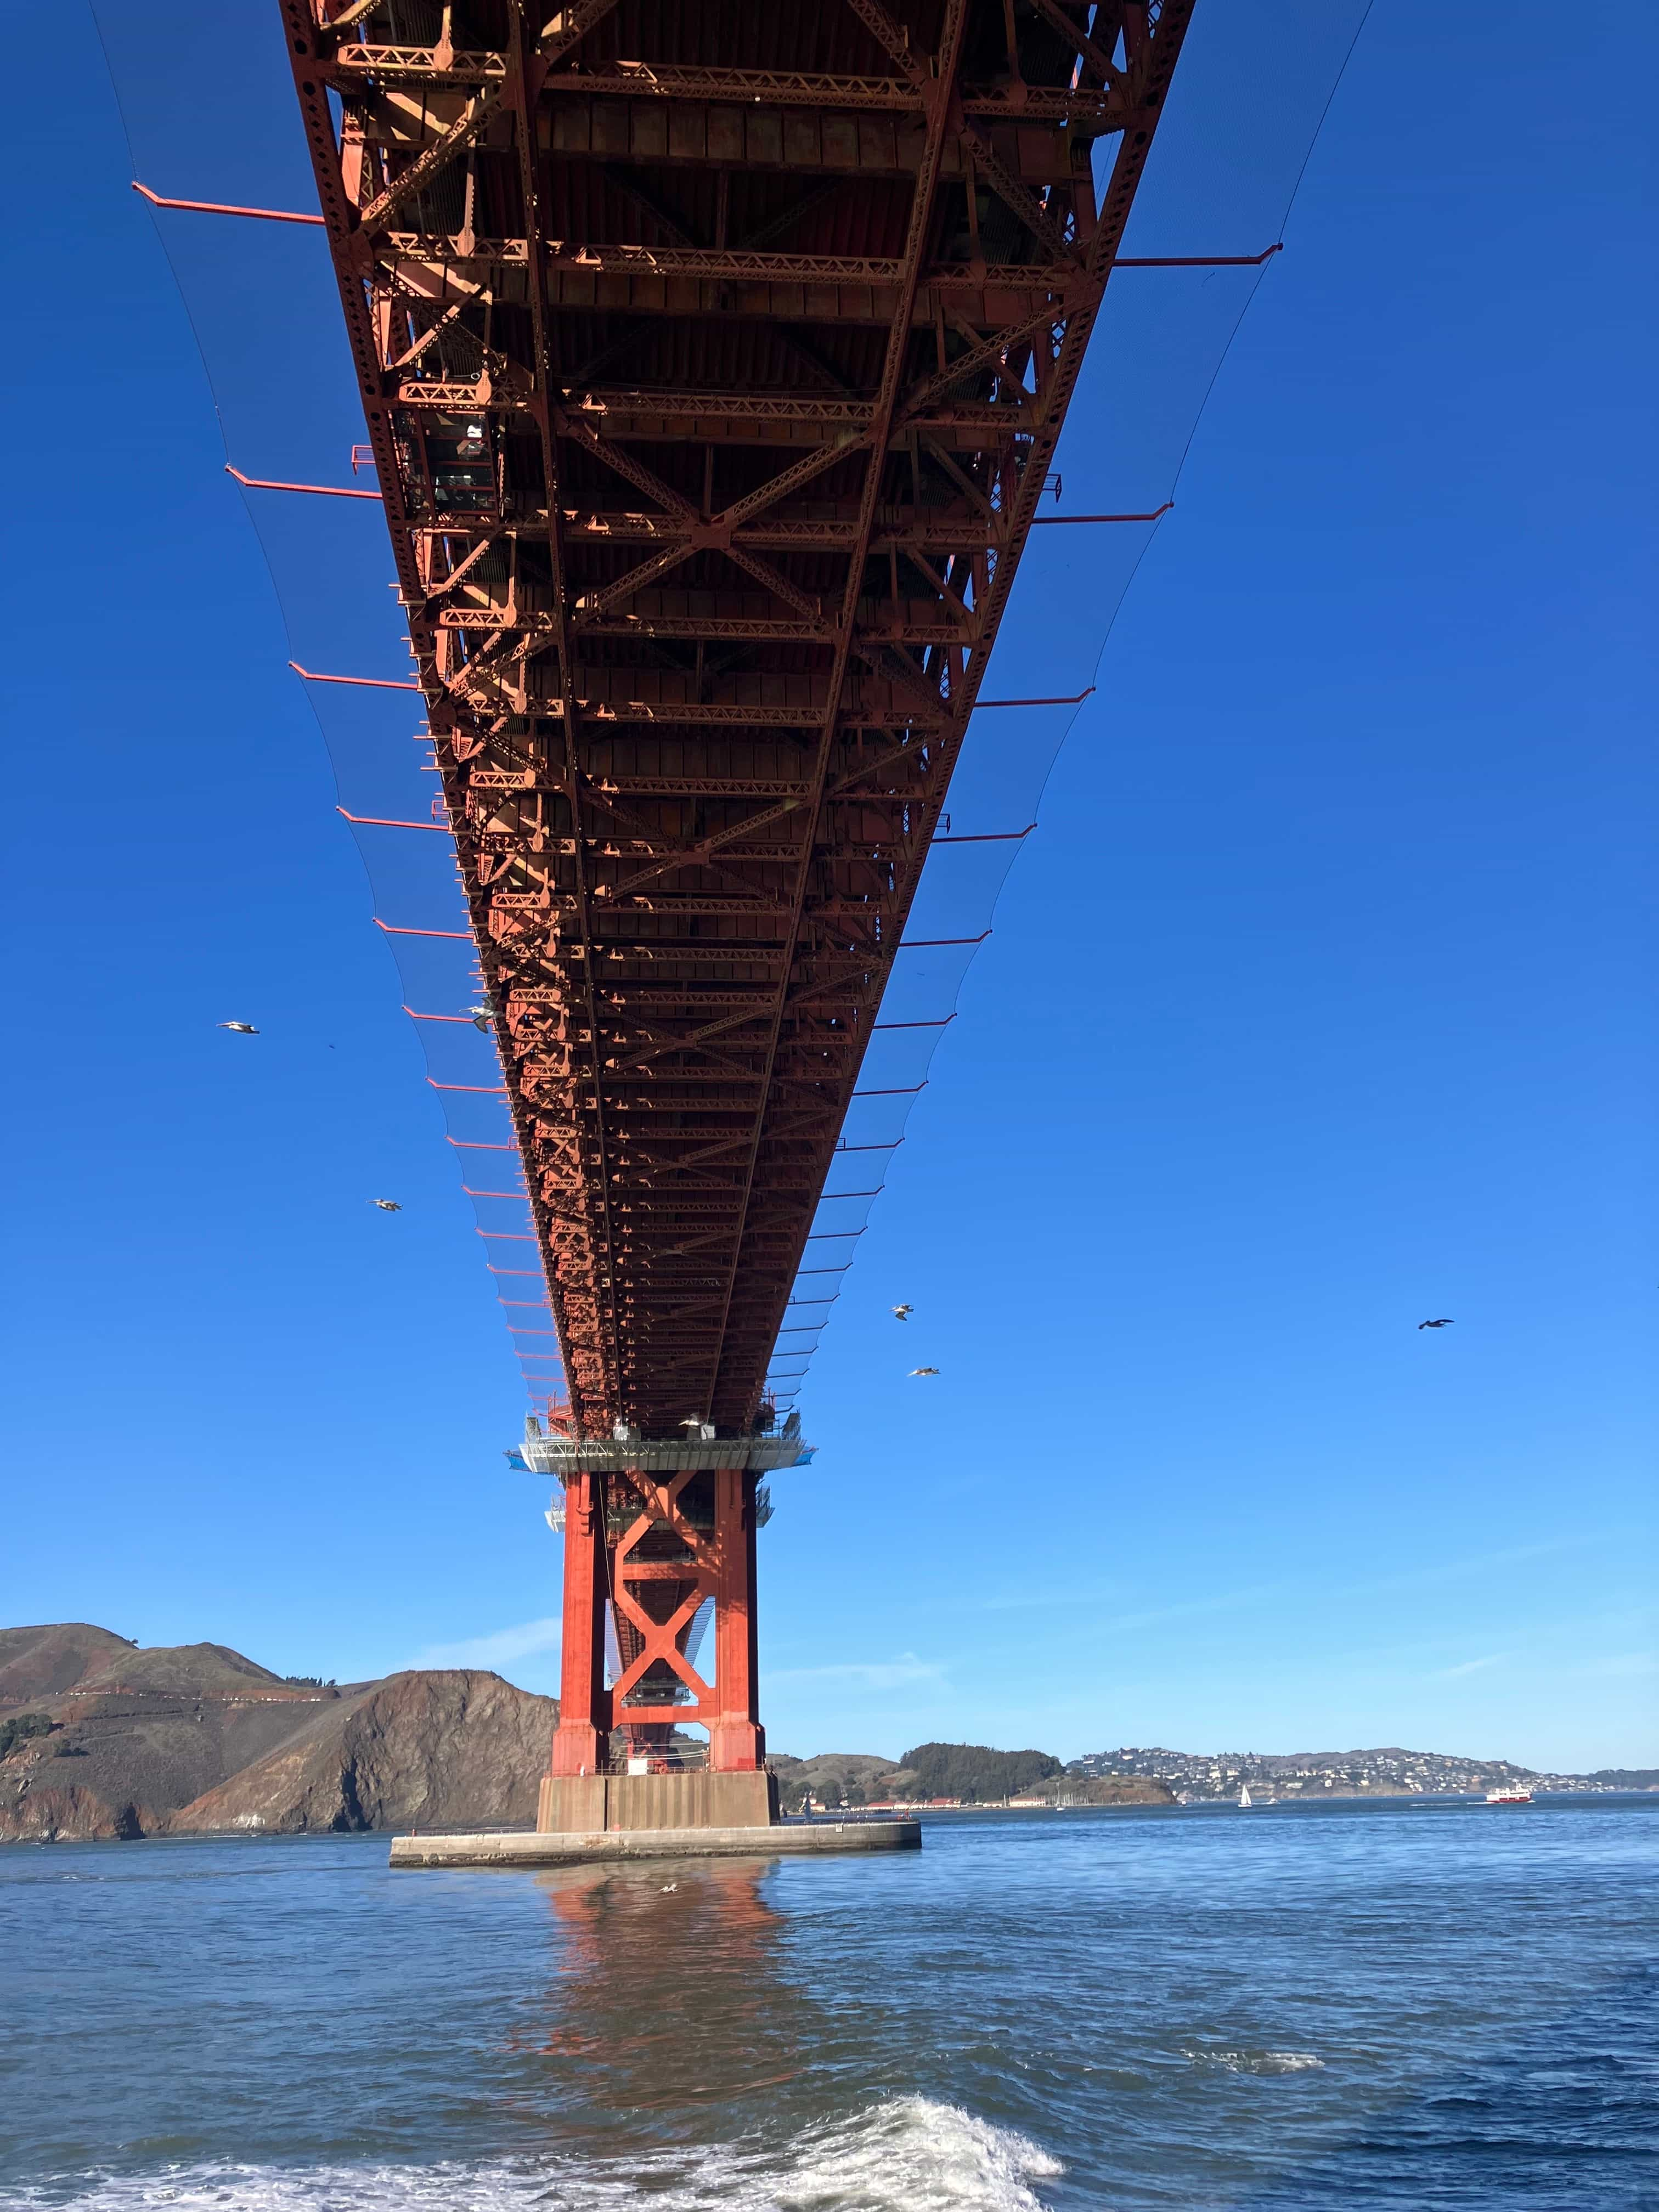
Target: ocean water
[{"x": 1307, "y": 2006}]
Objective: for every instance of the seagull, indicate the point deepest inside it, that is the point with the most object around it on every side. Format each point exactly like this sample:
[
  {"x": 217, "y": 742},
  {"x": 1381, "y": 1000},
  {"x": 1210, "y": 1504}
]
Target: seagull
[
  {"x": 1444, "y": 1322},
  {"x": 901, "y": 1313},
  {"x": 242, "y": 1029},
  {"x": 387, "y": 1204},
  {"x": 482, "y": 1017},
  {"x": 924, "y": 1370}
]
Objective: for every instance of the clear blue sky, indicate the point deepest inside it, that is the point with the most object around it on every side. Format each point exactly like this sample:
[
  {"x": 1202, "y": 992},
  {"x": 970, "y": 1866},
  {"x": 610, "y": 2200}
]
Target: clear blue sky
[{"x": 1320, "y": 1003}]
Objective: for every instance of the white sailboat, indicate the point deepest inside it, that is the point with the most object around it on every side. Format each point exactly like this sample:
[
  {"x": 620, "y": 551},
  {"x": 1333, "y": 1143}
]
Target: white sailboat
[{"x": 1245, "y": 1800}]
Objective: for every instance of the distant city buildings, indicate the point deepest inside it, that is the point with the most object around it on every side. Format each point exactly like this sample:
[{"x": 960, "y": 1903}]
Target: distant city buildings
[{"x": 1391, "y": 1772}]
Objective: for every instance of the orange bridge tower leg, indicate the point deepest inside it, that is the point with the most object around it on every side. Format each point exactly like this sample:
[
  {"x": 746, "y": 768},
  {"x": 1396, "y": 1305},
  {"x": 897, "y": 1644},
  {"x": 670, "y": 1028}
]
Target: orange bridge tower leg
[
  {"x": 581, "y": 1740},
  {"x": 736, "y": 1741},
  {"x": 655, "y": 1549}
]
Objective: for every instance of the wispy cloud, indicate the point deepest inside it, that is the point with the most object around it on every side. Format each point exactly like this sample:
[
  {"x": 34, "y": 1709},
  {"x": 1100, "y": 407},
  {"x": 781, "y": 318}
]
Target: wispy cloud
[
  {"x": 866, "y": 1674},
  {"x": 499, "y": 1648},
  {"x": 1468, "y": 1667}
]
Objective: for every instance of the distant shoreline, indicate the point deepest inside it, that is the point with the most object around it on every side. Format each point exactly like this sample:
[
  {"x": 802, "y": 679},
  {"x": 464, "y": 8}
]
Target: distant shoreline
[
  {"x": 1579, "y": 1799},
  {"x": 1394, "y": 1800}
]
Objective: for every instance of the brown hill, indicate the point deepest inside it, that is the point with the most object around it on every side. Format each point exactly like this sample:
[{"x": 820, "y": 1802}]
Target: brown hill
[
  {"x": 455, "y": 1749},
  {"x": 196, "y": 1737},
  {"x": 835, "y": 1777},
  {"x": 190, "y": 1670},
  {"x": 136, "y": 1756},
  {"x": 40, "y": 1662}
]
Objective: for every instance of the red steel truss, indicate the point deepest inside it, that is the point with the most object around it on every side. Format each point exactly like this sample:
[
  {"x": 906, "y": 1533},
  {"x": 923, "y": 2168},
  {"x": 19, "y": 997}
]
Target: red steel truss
[
  {"x": 657, "y": 1547},
  {"x": 714, "y": 354}
]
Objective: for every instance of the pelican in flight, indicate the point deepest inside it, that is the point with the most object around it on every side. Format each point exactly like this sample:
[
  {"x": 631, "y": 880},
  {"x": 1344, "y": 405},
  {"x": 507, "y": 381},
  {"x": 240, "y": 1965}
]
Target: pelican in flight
[
  {"x": 387, "y": 1204},
  {"x": 242, "y": 1029},
  {"x": 1444, "y": 1322},
  {"x": 924, "y": 1370},
  {"x": 901, "y": 1313}
]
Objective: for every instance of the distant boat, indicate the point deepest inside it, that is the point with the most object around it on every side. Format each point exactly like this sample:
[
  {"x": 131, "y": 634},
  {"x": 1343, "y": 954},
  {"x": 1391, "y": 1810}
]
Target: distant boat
[
  {"x": 1511, "y": 1793},
  {"x": 1245, "y": 1800}
]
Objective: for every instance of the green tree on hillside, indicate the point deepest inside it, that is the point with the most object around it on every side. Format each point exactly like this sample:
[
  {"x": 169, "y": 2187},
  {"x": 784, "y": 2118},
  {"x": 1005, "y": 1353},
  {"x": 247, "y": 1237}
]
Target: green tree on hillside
[
  {"x": 20, "y": 1727},
  {"x": 976, "y": 1773}
]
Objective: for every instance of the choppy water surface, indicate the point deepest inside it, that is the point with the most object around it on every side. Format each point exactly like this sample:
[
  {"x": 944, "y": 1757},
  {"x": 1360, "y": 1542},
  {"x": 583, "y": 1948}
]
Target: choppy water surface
[{"x": 1304, "y": 2006}]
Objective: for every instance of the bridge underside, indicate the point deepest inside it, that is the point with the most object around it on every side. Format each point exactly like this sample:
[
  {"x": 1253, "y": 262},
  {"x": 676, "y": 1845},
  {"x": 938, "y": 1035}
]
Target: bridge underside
[{"x": 713, "y": 358}]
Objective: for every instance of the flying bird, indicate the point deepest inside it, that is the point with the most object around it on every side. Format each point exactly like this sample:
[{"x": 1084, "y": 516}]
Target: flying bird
[
  {"x": 924, "y": 1370},
  {"x": 901, "y": 1313},
  {"x": 1444, "y": 1322},
  {"x": 242, "y": 1029},
  {"x": 387, "y": 1204},
  {"x": 482, "y": 1017}
]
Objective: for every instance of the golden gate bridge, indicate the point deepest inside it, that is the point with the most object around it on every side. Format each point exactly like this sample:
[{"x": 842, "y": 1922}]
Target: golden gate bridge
[{"x": 713, "y": 362}]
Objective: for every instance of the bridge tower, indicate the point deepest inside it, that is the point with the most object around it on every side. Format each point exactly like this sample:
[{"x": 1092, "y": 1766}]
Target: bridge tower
[
  {"x": 713, "y": 359},
  {"x": 656, "y": 1548}
]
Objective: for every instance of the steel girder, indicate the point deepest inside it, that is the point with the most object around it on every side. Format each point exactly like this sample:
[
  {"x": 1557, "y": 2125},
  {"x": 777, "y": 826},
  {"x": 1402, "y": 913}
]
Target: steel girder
[{"x": 711, "y": 402}]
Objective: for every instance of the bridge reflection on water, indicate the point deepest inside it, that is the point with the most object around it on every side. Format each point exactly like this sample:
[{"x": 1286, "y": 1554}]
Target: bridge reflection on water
[{"x": 674, "y": 1986}]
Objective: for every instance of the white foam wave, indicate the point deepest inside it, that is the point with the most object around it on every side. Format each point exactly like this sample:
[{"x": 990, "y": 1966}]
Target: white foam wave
[
  {"x": 907, "y": 2155},
  {"x": 1257, "y": 2062},
  {"x": 922, "y": 2156}
]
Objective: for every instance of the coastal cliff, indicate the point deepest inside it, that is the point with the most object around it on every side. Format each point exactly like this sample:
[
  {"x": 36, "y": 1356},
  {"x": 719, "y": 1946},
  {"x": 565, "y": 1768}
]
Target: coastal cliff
[
  {"x": 99, "y": 1740},
  {"x": 452, "y": 1748}
]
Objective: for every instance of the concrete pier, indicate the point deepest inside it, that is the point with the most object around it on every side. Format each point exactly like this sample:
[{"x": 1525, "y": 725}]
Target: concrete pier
[
  {"x": 694, "y": 1798},
  {"x": 527, "y": 1849}
]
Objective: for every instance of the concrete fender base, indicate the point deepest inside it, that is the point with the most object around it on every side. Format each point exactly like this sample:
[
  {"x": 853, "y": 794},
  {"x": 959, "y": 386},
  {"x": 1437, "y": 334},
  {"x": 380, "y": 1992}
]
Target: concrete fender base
[
  {"x": 524, "y": 1849},
  {"x": 580, "y": 1805}
]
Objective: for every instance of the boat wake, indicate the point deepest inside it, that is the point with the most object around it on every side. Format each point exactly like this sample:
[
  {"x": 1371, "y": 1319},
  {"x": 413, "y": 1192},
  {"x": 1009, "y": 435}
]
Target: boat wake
[{"x": 908, "y": 2155}]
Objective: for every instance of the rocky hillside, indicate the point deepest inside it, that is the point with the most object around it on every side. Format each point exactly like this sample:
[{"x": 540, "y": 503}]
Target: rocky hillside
[
  {"x": 196, "y": 1738},
  {"x": 454, "y": 1748},
  {"x": 37, "y": 1663}
]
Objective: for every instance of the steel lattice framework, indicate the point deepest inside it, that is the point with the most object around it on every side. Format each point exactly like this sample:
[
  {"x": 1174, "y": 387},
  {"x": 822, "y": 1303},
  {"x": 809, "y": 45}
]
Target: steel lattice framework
[{"x": 713, "y": 355}]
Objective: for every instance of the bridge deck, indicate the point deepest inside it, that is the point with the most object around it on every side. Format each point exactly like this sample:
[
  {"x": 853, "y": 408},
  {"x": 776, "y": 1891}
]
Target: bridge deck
[{"x": 713, "y": 358}]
